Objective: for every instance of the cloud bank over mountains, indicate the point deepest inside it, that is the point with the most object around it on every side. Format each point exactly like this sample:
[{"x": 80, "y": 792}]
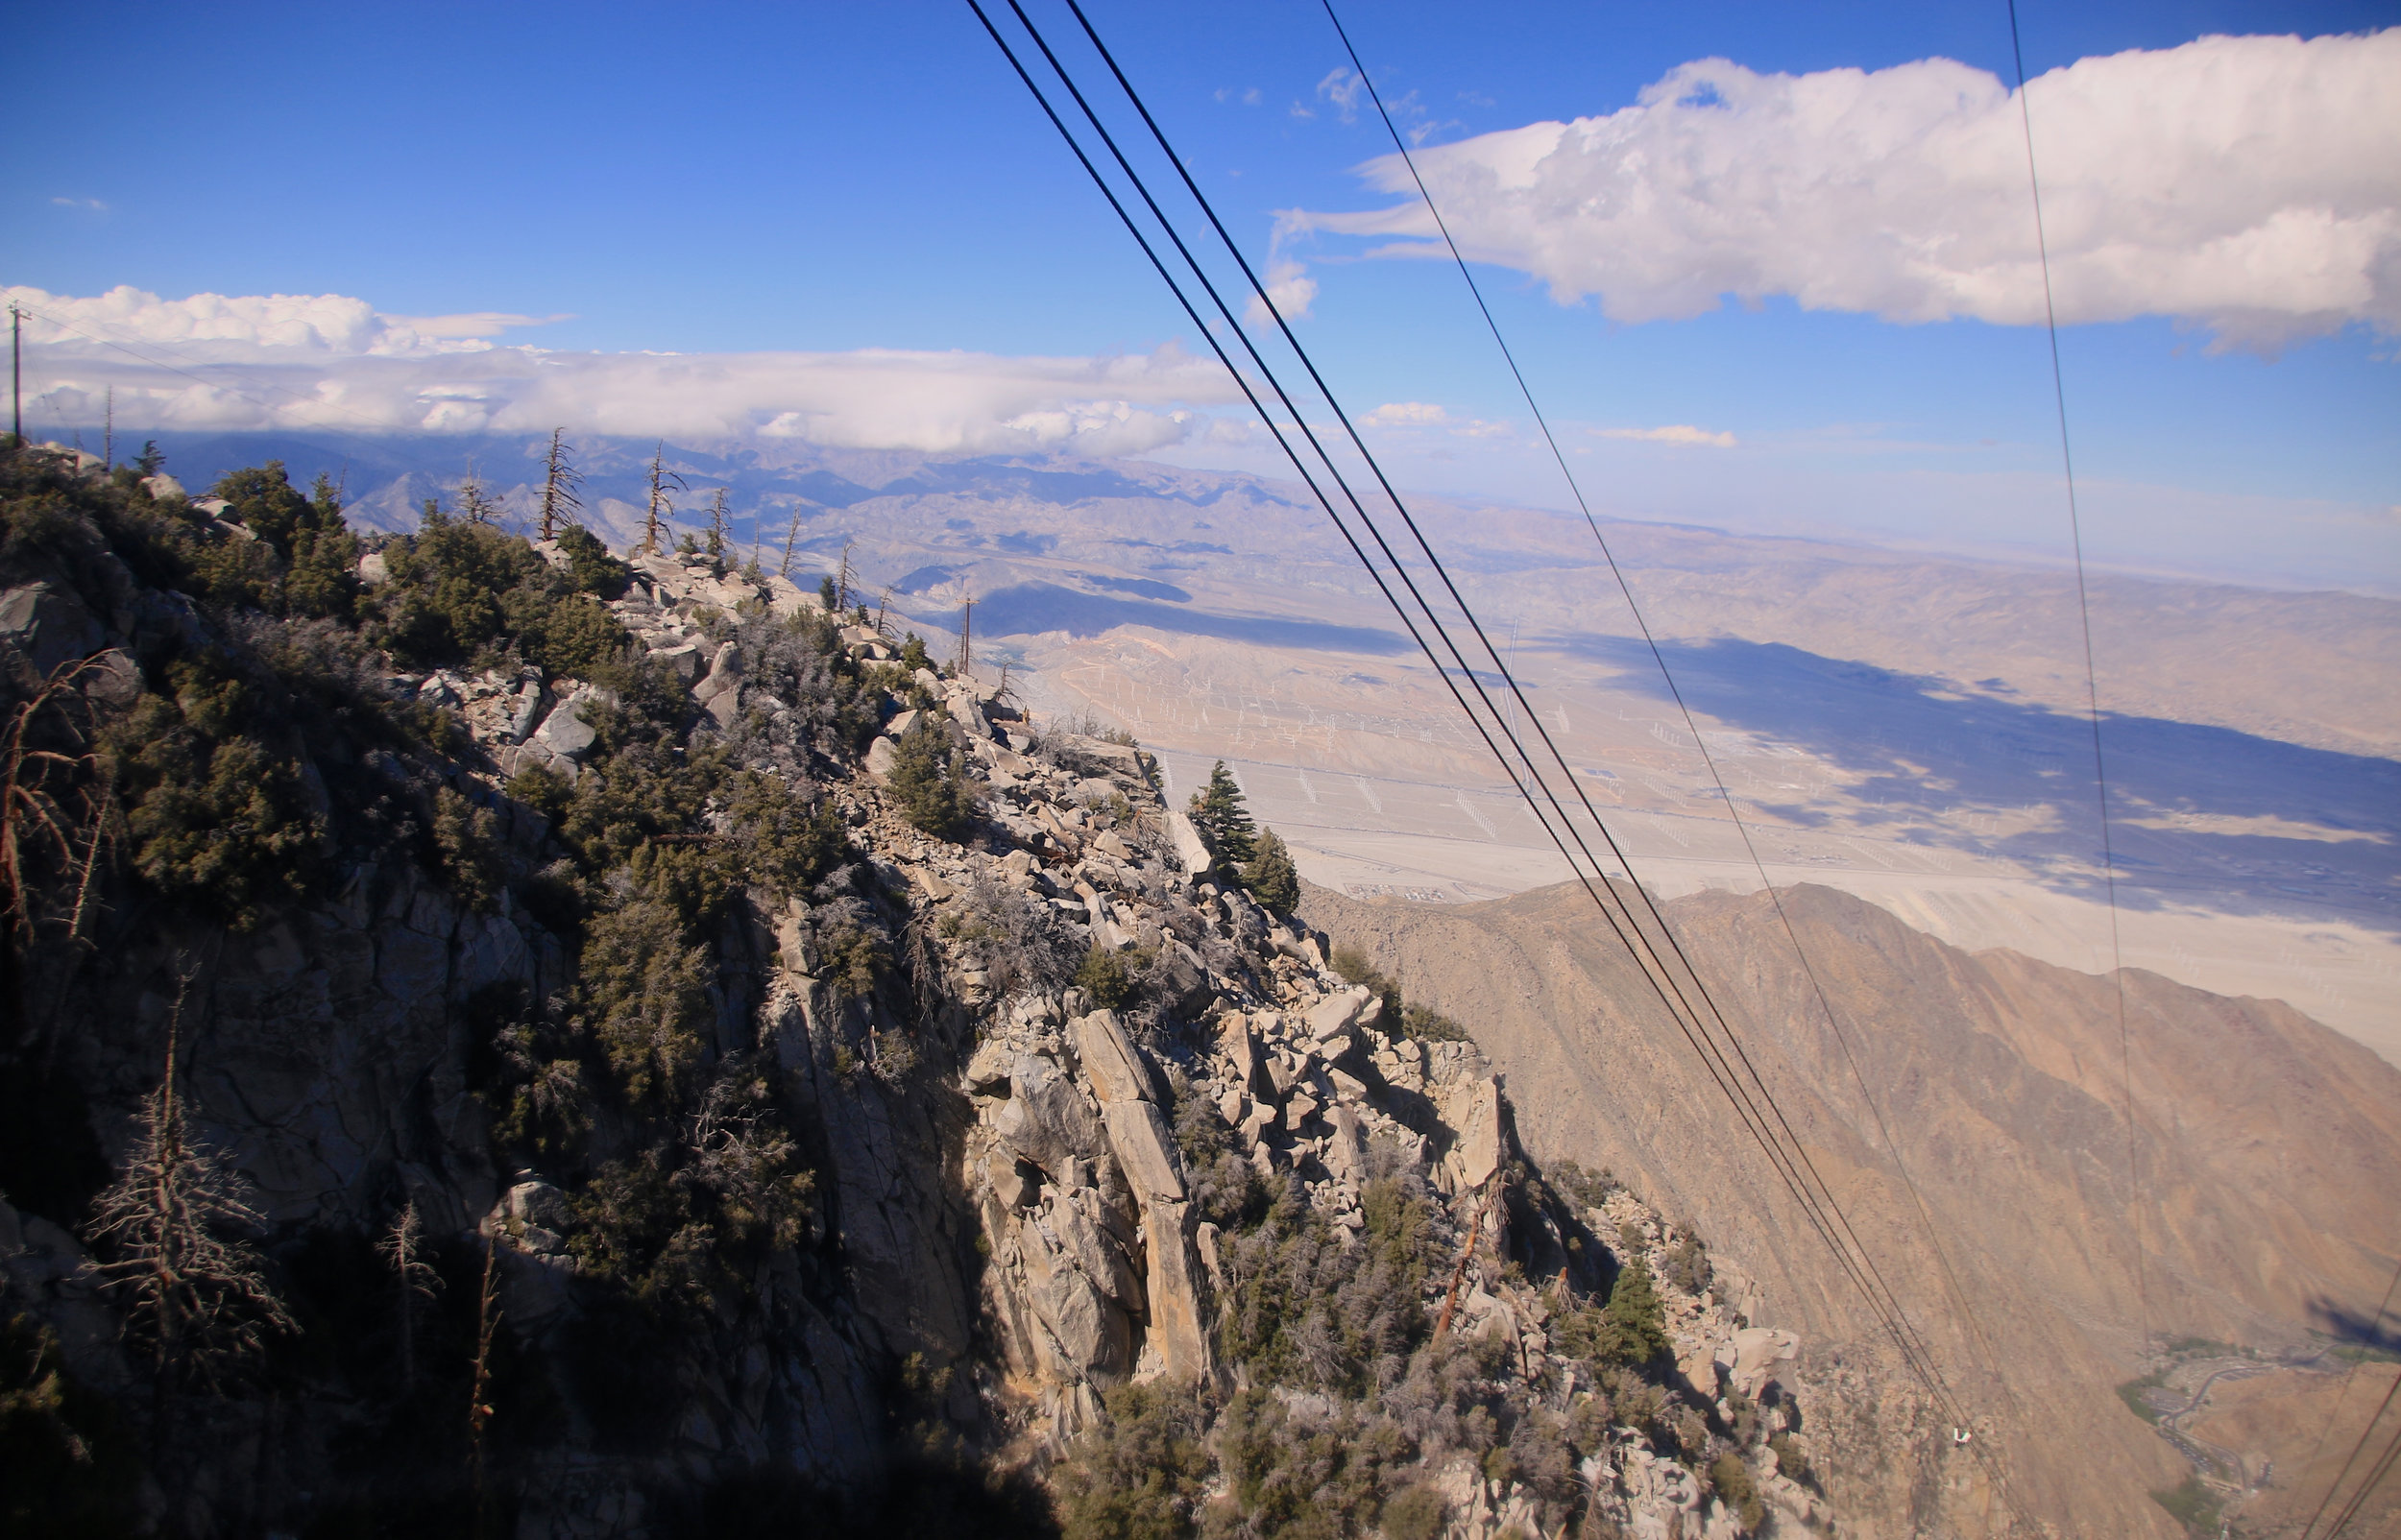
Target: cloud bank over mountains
[
  {"x": 330, "y": 362},
  {"x": 2249, "y": 184}
]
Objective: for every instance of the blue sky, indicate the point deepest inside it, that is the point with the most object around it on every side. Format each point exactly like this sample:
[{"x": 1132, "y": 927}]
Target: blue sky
[{"x": 818, "y": 177}]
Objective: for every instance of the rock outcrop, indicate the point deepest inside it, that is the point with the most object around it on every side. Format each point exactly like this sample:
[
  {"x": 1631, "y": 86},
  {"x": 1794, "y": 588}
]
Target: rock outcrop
[{"x": 972, "y": 1133}]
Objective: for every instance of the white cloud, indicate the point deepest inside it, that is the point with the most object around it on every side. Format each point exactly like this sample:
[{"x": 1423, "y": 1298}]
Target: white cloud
[
  {"x": 1343, "y": 89},
  {"x": 1683, "y": 435},
  {"x": 92, "y": 204},
  {"x": 1293, "y": 290},
  {"x": 2249, "y": 183},
  {"x": 1406, "y": 414},
  {"x": 328, "y": 362},
  {"x": 223, "y": 328}
]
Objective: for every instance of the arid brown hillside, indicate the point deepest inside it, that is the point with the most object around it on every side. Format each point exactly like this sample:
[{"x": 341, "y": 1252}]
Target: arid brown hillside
[{"x": 2266, "y": 1159}]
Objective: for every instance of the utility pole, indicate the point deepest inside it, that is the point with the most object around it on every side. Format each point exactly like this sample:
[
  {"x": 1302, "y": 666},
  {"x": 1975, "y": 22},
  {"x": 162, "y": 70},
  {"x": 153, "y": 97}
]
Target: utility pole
[
  {"x": 109, "y": 433},
  {"x": 17, "y": 371}
]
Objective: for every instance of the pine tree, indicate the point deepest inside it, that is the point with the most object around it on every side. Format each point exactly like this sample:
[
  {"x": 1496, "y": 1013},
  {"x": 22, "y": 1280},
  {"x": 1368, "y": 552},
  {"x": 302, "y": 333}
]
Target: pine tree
[
  {"x": 1636, "y": 1321},
  {"x": 1225, "y": 823},
  {"x": 1270, "y": 876}
]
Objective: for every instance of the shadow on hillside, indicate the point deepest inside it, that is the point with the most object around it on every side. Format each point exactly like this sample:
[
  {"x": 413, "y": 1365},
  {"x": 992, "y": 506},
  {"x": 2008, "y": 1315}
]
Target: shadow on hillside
[
  {"x": 2356, "y": 1327},
  {"x": 1027, "y": 608},
  {"x": 1928, "y": 758}
]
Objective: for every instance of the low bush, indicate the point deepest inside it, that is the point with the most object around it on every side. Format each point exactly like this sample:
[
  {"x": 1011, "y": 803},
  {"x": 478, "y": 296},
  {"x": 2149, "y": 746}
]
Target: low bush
[{"x": 930, "y": 780}]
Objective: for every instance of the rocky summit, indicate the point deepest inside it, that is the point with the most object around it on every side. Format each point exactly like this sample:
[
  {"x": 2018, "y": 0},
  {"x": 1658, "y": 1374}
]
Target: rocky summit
[{"x": 511, "y": 1038}]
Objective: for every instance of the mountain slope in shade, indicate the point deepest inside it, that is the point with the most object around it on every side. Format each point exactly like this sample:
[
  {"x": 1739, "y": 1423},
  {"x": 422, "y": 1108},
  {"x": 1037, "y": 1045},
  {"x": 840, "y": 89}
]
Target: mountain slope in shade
[{"x": 2258, "y": 1189}]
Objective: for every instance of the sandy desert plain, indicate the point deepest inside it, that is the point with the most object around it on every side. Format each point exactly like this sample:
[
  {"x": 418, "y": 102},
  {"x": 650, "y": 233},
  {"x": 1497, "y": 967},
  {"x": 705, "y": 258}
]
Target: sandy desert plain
[{"x": 1907, "y": 726}]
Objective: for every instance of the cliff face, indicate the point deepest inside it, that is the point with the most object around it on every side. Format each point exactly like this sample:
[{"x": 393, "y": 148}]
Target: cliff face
[
  {"x": 2266, "y": 1152},
  {"x": 754, "y": 1082}
]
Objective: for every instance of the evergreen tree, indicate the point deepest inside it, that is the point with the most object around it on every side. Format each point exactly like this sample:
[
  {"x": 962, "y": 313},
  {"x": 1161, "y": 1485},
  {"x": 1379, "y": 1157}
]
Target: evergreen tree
[
  {"x": 1636, "y": 1321},
  {"x": 1270, "y": 876},
  {"x": 1225, "y": 823},
  {"x": 930, "y": 780},
  {"x": 307, "y": 534}
]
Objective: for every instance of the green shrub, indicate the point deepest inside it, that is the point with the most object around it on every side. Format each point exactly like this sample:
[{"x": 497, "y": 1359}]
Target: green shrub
[
  {"x": 1631, "y": 1330},
  {"x": 315, "y": 554},
  {"x": 849, "y": 957},
  {"x": 1416, "y": 1513},
  {"x": 784, "y": 844},
  {"x": 591, "y": 569},
  {"x": 214, "y": 815},
  {"x": 646, "y": 998},
  {"x": 1687, "y": 1265},
  {"x": 1108, "y": 977},
  {"x": 930, "y": 780},
  {"x": 466, "y": 843},
  {"x": 457, "y": 590},
  {"x": 1141, "y": 1475},
  {"x": 1732, "y": 1479}
]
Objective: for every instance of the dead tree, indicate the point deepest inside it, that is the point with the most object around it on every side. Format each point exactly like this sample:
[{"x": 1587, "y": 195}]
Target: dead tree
[
  {"x": 661, "y": 507},
  {"x": 475, "y": 504},
  {"x": 720, "y": 525},
  {"x": 560, "y": 503},
  {"x": 402, "y": 1249},
  {"x": 791, "y": 537},
  {"x": 50, "y": 799},
  {"x": 172, "y": 1225},
  {"x": 478, "y": 1410}
]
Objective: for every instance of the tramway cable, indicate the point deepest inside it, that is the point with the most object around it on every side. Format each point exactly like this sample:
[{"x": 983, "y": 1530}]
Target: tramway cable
[
  {"x": 2092, "y": 684},
  {"x": 1667, "y": 676},
  {"x": 2368, "y": 1481},
  {"x": 1731, "y": 1091},
  {"x": 1815, "y": 1202},
  {"x": 1927, "y": 1370},
  {"x": 2375, "y": 1323}
]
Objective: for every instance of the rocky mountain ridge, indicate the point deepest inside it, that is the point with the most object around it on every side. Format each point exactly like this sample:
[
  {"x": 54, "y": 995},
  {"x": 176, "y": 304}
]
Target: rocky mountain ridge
[{"x": 783, "y": 1141}]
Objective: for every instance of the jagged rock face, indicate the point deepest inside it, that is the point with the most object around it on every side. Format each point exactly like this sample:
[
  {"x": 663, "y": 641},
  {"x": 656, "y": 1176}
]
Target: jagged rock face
[{"x": 1002, "y": 1204}]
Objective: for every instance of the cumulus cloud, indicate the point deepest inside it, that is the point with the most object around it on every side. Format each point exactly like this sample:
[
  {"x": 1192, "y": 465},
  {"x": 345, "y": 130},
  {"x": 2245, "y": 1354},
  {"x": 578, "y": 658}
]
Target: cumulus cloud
[
  {"x": 1406, "y": 414},
  {"x": 1683, "y": 435},
  {"x": 94, "y": 204},
  {"x": 226, "y": 328},
  {"x": 326, "y": 361},
  {"x": 2252, "y": 185}
]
